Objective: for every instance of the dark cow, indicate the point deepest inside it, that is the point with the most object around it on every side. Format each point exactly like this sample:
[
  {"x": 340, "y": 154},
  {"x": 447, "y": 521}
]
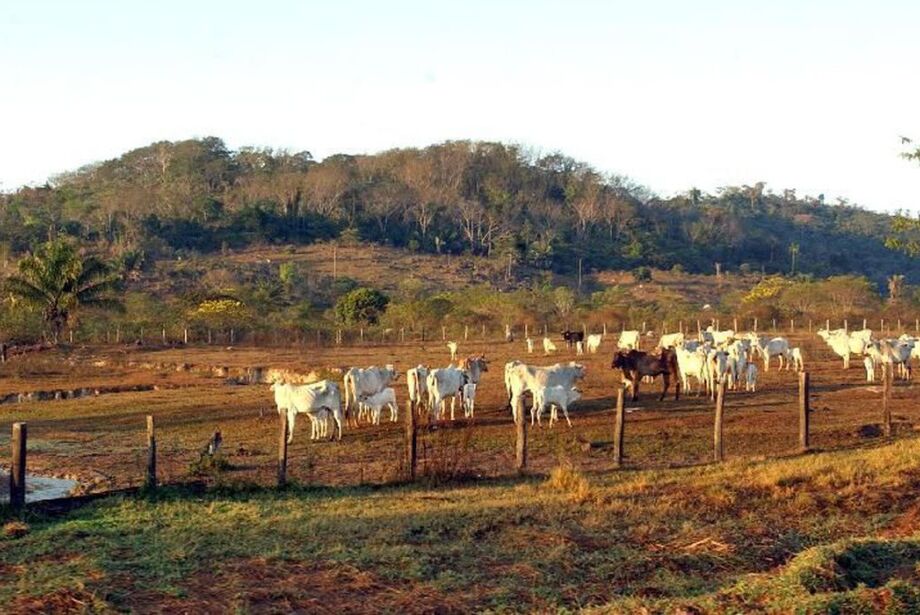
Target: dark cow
[
  {"x": 571, "y": 337},
  {"x": 635, "y": 364}
]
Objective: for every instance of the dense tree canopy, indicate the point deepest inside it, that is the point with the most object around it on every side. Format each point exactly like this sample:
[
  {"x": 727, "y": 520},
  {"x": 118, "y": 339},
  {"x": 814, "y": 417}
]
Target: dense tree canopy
[{"x": 544, "y": 211}]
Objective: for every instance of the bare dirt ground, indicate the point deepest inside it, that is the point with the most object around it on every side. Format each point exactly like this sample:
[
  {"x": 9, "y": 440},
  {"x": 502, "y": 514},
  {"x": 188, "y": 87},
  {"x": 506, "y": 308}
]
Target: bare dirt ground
[{"x": 99, "y": 440}]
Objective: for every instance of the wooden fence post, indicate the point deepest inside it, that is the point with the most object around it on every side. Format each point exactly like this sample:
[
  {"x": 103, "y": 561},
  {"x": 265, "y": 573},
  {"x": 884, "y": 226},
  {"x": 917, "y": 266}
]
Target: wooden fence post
[
  {"x": 209, "y": 337},
  {"x": 774, "y": 325},
  {"x": 443, "y": 333},
  {"x": 846, "y": 325},
  {"x": 362, "y": 335},
  {"x": 735, "y": 324},
  {"x": 483, "y": 330},
  {"x": 719, "y": 417},
  {"x": 827, "y": 324},
  {"x": 804, "y": 411},
  {"x": 118, "y": 334},
  {"x": 411, "y": 440},
  {"x": 283, "y": 449},
  {"x": 232, "y": 335},
  {"x": 164, "y": 336},
  {"x": 520, "y": 432},
  {"x": 185, "y": 336},
  {"x": 618, "y": 425},
  {"x": 2, "y": 352},
  {"x": 755, "y": 323},
  {"x": 887, "y": 376},
  {"x": 150, "y": 481},
  {"x": 864, "y": 323},
  {"x": 792, "y": 325},
  {"x": 605, "y": 328},
  {"x": 18, "y": 467}
]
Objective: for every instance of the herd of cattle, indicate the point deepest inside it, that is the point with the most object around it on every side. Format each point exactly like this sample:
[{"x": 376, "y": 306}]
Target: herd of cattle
[{"x": 714, "y": 357}]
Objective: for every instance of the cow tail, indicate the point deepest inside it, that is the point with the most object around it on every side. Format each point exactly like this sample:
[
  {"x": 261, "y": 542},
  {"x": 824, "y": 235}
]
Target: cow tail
[{"x": 348, "y": 379}]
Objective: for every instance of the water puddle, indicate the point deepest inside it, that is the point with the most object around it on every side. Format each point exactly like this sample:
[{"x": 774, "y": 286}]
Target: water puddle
[{"x": 38, "y": 488}]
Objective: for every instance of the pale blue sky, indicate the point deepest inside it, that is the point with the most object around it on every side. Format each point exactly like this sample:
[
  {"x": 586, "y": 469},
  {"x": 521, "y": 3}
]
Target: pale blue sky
[{"x": 810, "y": 95}]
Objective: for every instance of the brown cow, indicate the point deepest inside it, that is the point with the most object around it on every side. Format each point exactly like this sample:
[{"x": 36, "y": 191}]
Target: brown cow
[{"x": 635, "y": 364}]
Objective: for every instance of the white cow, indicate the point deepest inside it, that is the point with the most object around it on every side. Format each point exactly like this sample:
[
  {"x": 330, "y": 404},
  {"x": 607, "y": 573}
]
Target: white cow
[
  {"x": 548, "y": 346},
  {"x": 671, "y": 340},
  {"x": 554, "y": 397},
  {"x": 629, "y": 340},
  {"x": 693, "y": 363},
  {"x": 777, "y": 347},
  {"x": 442, "y": 383},
  {"x": 798, "y": 364},
  {"x": 522, "y": 378},
  {"x": 452, "y": 346},
  {"x": 380, "y": 400},
  {"x": 869, "y": 364},
  {"x": 593, "y": 342},
  {"x": 750, "y": 381},
  {"x": 844, "y": 345},
  {"x": 361, "y": 383},
  {"x": 416, "y": 383},
  {"x": 720, "y": 337},
  {"x": 316, "y": 400},
  {"x": 469, "y": 399},
  {"x": 892, "y": 353}
]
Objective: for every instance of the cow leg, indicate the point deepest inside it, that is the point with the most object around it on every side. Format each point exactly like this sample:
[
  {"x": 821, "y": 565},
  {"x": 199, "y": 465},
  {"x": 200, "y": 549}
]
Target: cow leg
[
  {"x": 664, "y": 386},
  {"x": 635, "y": 385},
  {"x": 291, "y": 415}
]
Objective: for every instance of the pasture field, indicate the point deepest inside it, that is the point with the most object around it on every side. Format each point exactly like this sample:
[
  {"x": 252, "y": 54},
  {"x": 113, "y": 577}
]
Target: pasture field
[{"x": 768, "y": 530}]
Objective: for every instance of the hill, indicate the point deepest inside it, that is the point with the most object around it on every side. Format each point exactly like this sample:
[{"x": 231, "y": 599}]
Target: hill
[{"x": 499, "y": 201}]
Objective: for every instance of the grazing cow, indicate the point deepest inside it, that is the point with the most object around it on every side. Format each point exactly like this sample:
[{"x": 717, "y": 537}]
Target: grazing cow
[
  {"x": 382, "y": 399},
  {"x": 529, "y": 346},
  {"x": 548, "y": 346},
  {"x": 571, "y": 337},
  {"x": 316, "y": 400},
  {"x": 443, "y": 383},
  {"x": 869, "y": 364},
  {"x": 452, "y": 346},
  {"x": 521, "y": 378},
  {"x": 554, "y": 397},
  {"x": 777, "y": 347},
  {"x": 671, "y": 340},
  {"x": 361, "y": 383},
  {"x": 469, "y": 399},
  {"x": 416, "y": 382},
  {"x": 509, "y": 370},
  {"x": 635, "y": 364},
  {"x": 891, "y": 353},
  {"x": 579, "y": 348},
  {"x": 629, "y": 340},
  {"x": 593, "y": 342},
  {"x": 750, "y": 380},
  {"x": 844, "y": 345},
  {"x": 798, "y": 364}
]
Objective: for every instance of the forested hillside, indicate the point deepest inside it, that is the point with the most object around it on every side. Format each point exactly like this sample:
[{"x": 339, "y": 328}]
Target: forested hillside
[{"x": 544, "y": 212}]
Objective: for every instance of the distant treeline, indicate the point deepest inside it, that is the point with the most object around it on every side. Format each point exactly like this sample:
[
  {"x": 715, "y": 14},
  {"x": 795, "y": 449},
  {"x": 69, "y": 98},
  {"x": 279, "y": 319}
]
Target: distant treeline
[{"x": 542, "y": 211}]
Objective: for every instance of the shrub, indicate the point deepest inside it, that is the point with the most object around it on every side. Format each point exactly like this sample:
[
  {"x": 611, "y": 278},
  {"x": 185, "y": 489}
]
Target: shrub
[
  {"x": 361, "y": 306},
  {"x": 642, "y": 274}
]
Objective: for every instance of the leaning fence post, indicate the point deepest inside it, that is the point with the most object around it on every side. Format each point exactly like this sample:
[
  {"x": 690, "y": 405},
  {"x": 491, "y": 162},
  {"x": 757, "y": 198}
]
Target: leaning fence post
[
  {"x": 720, "y": 414},
  {"x": 411, "y": 440},
  {"x": 150, "y": 482},
  {"x": 618, "y": 425},
  {"x": 18, "y": 467},
  {"x": 282, "y": 449},
  {"x": 520, "y": 430},
  {"x": 887, "y": 376},
  {"x": 804, "y": 411}
]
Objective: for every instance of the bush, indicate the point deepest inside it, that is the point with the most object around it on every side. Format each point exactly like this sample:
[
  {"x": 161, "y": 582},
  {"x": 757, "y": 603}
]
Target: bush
[
  {"x": 361, "y": 306},
  {"x": 642, "y": 274}
]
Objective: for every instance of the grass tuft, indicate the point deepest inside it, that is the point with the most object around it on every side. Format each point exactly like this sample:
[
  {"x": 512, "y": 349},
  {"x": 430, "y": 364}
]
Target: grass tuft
[{"x": 566, "y": 479}]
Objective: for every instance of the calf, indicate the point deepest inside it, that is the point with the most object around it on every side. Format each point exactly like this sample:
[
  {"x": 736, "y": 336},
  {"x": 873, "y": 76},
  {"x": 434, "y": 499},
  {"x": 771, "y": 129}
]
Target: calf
[
  {"x": 548, "y": 346},
  {"x": 382, "y": 399},
  {"x": 554, "y": 397},
  {"x": 635, "y": 364},
  {"x": 750, "y": 379},
  {"x": 629, "y": 340},
  {"x": 452, "y": 346}
]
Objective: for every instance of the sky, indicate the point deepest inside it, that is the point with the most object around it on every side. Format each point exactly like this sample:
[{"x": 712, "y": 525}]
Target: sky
[{"x": 810, "y": 95}]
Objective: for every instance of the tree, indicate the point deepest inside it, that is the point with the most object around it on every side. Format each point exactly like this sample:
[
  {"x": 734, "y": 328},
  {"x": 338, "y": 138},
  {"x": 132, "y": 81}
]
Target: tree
[
  {"x": 793, "y": 252},
  {"x": 361, "y": 306},
  {"x": 57, "y": 280}
]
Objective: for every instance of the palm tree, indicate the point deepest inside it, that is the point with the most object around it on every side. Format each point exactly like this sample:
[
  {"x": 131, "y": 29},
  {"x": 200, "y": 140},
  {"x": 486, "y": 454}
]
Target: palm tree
[{"x": 59, "y": 281}]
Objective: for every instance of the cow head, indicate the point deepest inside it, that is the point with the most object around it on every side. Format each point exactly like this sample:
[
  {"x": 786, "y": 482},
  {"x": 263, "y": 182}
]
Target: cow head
[{"x": 619, "y": 361}]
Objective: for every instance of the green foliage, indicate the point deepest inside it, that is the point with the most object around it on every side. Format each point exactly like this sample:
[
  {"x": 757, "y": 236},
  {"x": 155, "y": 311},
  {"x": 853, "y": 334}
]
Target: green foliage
[
  {"x": 57, "y": 280},
  {"x": 642, "y": 274},
  {"x": 361, "y": 306}
]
